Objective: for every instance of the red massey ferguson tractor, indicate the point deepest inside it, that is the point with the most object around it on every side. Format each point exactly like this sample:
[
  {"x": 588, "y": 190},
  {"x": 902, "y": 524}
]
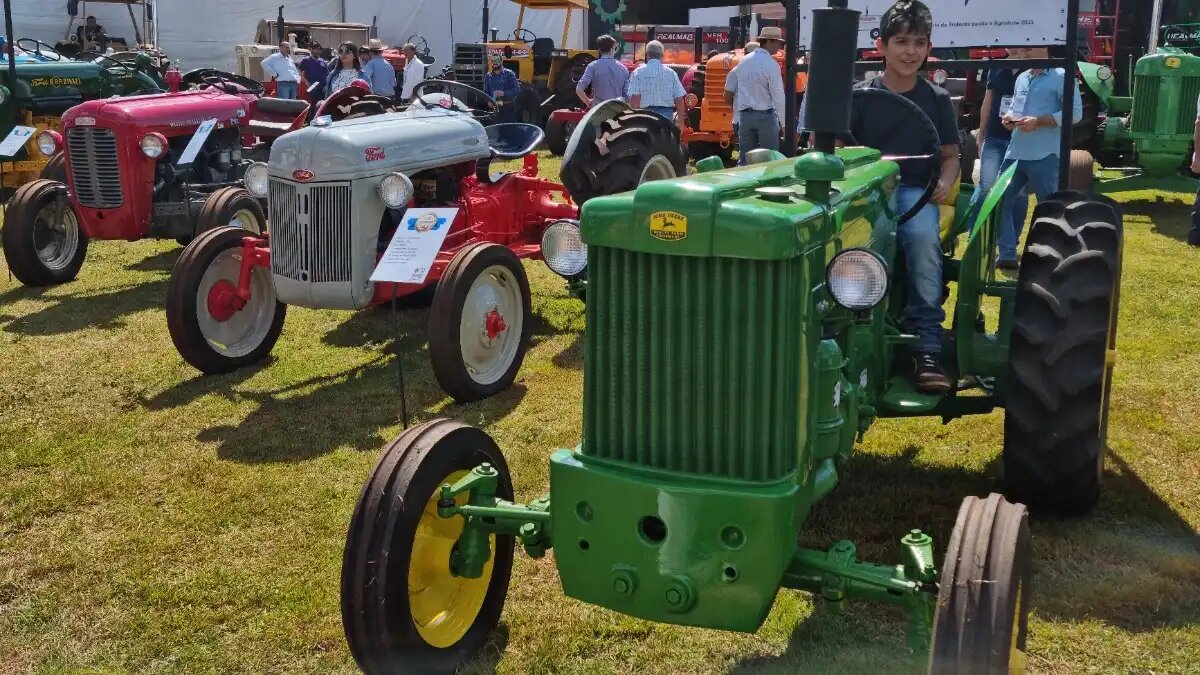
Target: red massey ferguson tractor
[
  {"x": 337, "y": 192},
  {"x": 125, "y": 180}
]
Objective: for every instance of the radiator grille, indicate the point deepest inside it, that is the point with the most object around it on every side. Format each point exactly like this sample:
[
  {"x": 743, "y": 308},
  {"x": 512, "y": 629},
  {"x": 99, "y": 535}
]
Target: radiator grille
[
  {"x": 1185, "y": 123},
  {"x": 95, "y": 171},
  {"x": 470, "y": 64},
  {"x": 691, "y": 363},
  {"x": 1145, "y": 103},
  {"x": 310, "y": 231}
]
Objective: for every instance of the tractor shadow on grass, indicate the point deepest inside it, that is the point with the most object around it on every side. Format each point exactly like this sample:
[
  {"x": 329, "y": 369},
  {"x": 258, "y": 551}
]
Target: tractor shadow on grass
[
  {"x": 162, "y": 261},
  {"x": 105, "y": 310},
  {"x": 354, "y": 409},
  {"x": 1169, "y": 218},
  {"x": 1134, "y": 563}
]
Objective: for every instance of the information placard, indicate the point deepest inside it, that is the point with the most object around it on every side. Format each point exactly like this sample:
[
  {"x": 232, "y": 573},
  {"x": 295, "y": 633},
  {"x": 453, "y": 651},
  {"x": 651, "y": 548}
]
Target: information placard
[
  {"x": 197, "y": 142},
  {"x": 414, "y": 246},
  {"x": 964, "y": 23},
  {"x": 16, "y": 139}
]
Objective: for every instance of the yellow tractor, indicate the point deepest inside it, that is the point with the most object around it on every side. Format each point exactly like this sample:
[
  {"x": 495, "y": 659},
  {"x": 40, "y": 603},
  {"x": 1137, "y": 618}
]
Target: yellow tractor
[{"x": 548, "y": 72}]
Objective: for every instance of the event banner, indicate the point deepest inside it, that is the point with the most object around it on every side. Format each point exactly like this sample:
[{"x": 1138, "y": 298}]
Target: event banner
[{"x": 964, "y": 23}]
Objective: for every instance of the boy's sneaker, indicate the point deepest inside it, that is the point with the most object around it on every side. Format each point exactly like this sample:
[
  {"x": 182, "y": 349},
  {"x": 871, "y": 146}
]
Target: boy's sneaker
[
  {"x": 928, "y": 375},
  {"x": 1011, "y": 265}
]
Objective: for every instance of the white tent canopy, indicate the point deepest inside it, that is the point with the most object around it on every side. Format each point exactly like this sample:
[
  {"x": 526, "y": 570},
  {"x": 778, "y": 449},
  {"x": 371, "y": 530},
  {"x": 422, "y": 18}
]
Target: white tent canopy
[{"x": 204, "y": 32}]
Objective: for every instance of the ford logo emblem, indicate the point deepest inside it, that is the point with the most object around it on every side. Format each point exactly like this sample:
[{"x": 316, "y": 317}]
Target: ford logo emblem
[{"x": 302, "y": 175}]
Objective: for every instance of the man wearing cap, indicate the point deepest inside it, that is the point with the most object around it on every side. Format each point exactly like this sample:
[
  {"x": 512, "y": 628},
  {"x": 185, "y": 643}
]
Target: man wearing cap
[
  {"x": 606, "y": 76},
  {"x": 380, "y": 73},
  {"x": 501, "y": 84},
  {"x": 281, "y": 68},
  {"x": 755, "y": 91},
  {"x": 657, "y": 88}
]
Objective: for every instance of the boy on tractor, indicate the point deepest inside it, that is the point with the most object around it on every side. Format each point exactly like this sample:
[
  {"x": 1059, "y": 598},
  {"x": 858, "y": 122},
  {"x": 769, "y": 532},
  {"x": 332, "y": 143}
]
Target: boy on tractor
[{"x": 904, "y": 40}]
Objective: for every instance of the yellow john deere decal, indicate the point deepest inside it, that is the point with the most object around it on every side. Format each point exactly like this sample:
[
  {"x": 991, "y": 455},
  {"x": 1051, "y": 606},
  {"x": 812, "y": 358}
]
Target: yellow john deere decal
[{"x": 668, "y": 225}]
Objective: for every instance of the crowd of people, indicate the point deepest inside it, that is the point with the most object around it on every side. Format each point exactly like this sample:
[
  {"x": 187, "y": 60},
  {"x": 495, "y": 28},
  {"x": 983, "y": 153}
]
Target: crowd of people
[{"x": 349, "y": 63}]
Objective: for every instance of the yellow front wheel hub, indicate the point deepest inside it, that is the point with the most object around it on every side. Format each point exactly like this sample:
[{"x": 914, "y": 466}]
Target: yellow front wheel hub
[
  {"x": 1017, "y": 660},
  {"x": 443, "y": 606}
]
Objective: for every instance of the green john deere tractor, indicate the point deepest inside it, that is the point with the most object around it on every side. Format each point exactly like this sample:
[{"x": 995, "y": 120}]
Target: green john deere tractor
[
  {"x": 1142, "y": 141},
  {"x": 46, "y": 85},
  {"x": 744, "y": 327}
]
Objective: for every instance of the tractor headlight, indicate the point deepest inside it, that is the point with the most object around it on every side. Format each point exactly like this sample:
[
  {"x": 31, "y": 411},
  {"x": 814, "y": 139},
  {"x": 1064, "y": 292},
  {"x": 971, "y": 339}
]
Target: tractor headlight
[
  {"x": 857, "y": 279},
  {"x": 396, "y": 190},
  {"x": 563, "y": 249},
  {"x": 1104, "y": 73},
  {"x": 940, "y": 76},
  {"x": 154, "y": 145},
  {"x": 49, "y": 142},
  {"x": 256, "y": 179}
]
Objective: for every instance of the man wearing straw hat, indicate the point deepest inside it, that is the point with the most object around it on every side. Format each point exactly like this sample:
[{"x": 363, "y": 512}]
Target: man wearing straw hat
[
  {"x": 755, "y": 90},
  {"x": 380, "y": 73}
]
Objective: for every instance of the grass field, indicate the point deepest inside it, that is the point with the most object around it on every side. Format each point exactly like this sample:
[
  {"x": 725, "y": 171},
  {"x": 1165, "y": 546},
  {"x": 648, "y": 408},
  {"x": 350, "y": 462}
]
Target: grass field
[{"x": 155, "y": 521}]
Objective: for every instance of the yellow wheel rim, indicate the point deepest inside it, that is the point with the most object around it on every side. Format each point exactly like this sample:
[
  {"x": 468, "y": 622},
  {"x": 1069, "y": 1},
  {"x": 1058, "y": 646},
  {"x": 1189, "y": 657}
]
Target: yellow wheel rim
[
  {"x": 1016, "y": 657},
  {"x": 443, "y": 606}
]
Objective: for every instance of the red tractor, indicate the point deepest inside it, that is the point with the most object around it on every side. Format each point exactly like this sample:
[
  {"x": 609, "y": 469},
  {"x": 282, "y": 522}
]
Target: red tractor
[
  {"x": 339, "y": 190},
  {"x": 137, "y": 167}
]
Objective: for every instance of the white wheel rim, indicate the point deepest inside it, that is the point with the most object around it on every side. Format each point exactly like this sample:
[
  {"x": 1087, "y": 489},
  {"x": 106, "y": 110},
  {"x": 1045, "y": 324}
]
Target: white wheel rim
[
  {"x": 488, "y": 355},
  {"x": 55, "y": 243},
  {"x": 658, "y": 168},
  {"x": 243, "y": 332},
  {"x": 246, "y": 220}
]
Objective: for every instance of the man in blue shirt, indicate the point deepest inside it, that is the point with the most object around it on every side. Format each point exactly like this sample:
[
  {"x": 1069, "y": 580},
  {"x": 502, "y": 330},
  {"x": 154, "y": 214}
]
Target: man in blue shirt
[
  {"x": 380, "y": 73},
  {"x": 657, "y": 88},
  {"x": 316, "y": 71},
  {"x": 501, "y": 84},
  {"x": 606, "y": 76},
  {"x": 1036, "y": 121},
  {"x": 993, "y": 140}
]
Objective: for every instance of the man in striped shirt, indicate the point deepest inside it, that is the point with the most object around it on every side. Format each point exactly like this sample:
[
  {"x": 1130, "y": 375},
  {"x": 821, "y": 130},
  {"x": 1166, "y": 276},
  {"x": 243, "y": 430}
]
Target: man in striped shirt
[{"x": 657, "y": 88}]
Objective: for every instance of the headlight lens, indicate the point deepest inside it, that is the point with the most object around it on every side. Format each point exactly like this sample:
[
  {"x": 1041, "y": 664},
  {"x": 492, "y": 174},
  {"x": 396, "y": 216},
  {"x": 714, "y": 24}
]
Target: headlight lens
[
  {"x": 396, "y": 190},
  {"x": 256, "y": 179},
  {"x": 48, "y": 144},
  {"x": 563, "y": 249},
  {"x": 940, "y": 77},
  {"x": 1104, "y": 73},
  {"x": 857, "y": 279},
  {"x": 154, "y": 145}
]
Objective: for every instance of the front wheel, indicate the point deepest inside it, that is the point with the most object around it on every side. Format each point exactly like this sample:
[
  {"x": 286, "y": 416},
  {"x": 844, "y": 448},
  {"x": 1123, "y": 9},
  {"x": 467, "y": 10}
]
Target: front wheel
[
  {"x": 210, "y": 331},
  {"x": 56, "y": 168},
  {"x": 1061, "y": 354},
  {"x": 43, "y": 243},
  {"x": 557, "y": 135},
  {"x": 403, "y": 610},
  {"x": 480, "y": 322},
  {"x": 231, "y": 207},
  {"x": 982, "y": 616}
]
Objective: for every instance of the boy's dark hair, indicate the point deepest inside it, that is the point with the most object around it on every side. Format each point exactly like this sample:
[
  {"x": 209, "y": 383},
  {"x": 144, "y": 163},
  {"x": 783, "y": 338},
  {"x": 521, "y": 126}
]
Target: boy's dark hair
[
  {"x": 911, "y": 16},
  {"x": 605, "y": 43}
]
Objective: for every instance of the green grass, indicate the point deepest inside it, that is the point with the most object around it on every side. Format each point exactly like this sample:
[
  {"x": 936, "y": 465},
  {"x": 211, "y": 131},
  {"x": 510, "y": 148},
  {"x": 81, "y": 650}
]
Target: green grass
[{"x": 155, "y": 521}]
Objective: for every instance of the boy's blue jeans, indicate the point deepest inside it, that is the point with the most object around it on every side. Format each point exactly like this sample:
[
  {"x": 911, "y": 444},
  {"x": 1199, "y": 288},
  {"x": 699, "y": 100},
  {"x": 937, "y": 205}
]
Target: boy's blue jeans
[
  {"x": 1041, "y": 176},
  {"x": 991, "y": 156},
  {"x": 920, "y": 240}
]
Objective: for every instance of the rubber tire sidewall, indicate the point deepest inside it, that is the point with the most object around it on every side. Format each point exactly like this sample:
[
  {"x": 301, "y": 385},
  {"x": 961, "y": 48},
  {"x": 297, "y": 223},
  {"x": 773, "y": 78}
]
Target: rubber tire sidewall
[
  {"x": 445, "y": 317},
  {"x": 556, "y": 137},
  {"x": 408, "y": 472},
  {"x": 220, "y": 206},
  {"x": 17, "y": 236},
  {"x": 56, "y": 168},
  {"x": 182, "y": 311}
]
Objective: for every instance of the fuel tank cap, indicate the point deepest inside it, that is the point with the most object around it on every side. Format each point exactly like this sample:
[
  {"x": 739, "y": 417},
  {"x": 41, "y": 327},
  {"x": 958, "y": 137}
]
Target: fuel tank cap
[{"x": 774, "y": 193}]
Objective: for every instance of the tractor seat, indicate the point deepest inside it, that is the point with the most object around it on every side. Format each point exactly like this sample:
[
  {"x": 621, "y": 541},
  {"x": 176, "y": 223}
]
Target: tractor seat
[
  {"x": 282, "y": 106},
  {"x": 513, "y": 140},
  {"x": 542, "y": 48}
]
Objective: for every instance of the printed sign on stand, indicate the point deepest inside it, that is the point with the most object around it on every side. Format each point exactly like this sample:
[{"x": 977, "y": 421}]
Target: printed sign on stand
[
  {"x": 16, "y": 139},
  {"x": 197, "y": 142},
  {"x": 416, "y": 243}
]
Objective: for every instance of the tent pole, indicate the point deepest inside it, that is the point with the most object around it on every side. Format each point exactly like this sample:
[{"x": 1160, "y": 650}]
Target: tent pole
[
  {"x": 1068, "y": 98},
  {"x": 791, "y": 33},
  {"x": 9, "y": 48},
  {"x": 1155, "y": 25}
]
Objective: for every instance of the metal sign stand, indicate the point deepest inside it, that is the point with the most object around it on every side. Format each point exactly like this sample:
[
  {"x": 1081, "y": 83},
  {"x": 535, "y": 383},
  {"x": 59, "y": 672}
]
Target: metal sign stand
[
  {"x": 399, "y": 358},
  {"x": 1067, "y": 62}
]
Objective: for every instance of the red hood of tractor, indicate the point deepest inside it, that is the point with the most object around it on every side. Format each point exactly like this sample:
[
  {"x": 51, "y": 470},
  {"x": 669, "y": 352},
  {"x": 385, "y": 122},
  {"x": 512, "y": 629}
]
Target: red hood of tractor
[{"x": 167, "y": 114}]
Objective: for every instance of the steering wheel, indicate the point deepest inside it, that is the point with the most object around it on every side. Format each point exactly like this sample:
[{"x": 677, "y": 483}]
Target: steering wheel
[
  {"x": 891, "y": 105},
  {"x": 37, "y": 49},
  {"x": 456, "y": 96},
  {"x": 97, "y": 57},
  {"x": 219, "y": 79},
  {"x": 417, "y": 40},
  {"x": 524, "y": 31}
]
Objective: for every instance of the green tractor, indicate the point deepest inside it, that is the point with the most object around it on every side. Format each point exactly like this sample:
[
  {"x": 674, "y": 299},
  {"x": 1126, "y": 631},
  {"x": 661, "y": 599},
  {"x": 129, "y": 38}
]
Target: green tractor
[
  {"x": 42, "y": 84},
  {"x": 744, "y": 328},
  {"x": 1142, "y": 141}
]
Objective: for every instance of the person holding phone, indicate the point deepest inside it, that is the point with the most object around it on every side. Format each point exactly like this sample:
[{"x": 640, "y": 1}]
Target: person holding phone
[{"x": 994, "y": 138}]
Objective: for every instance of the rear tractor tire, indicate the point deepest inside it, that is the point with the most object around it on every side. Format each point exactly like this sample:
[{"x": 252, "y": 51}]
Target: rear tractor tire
[
  {"x": 557, "y": 135},
  {"x": 403, "y": 611},
  {"x": 231, "y": 207},
  {"x": 1061, "y": 355},
  {"x": 43, "y": 243},
  {"x": 631, "y": 148},
  {"x": 982, "y": 616},
  {"x": 480, "y": 322},
  {"x": 207, "y": 331}
]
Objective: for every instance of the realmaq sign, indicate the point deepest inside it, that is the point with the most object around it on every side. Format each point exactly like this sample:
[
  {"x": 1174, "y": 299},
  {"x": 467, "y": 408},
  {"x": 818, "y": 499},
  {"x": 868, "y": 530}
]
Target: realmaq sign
[{"x": 964, "y": 23}]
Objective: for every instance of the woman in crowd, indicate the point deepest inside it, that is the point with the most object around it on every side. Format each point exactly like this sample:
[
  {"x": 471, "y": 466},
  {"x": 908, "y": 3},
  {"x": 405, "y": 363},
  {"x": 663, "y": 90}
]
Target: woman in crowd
[{"x": 346, "y": 69}]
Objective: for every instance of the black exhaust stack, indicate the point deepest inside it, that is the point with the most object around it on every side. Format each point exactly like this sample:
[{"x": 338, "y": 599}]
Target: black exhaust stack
[{"x": 831, "y": 73}]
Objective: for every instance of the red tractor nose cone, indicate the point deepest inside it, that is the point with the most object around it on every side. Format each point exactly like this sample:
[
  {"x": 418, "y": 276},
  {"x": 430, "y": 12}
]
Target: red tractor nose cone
[
  {"x": 221, "y": 300},
  {"x": 494, "y": 324}
]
